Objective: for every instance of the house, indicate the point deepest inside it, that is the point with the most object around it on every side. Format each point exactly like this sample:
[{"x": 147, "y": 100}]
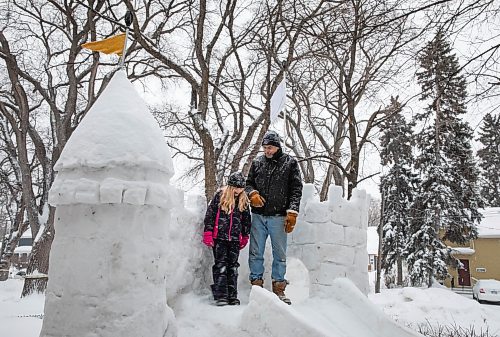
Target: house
[
  {"x": 372, "y": 247},
  {"x": 480, "y": 259},
  {"x": 22, "y": 252}
]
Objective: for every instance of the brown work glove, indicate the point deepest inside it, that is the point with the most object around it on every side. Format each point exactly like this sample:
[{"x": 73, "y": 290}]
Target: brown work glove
[
  {"x": 256, "y": 200},
  {"x": 290, "y": 220}
]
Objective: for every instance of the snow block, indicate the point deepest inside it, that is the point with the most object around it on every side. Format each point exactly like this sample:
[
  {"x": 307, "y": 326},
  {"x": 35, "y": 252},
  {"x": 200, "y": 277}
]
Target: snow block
[
  {"x": 355, "y": 236},
  {"x": 335, "y": 195},
  {"x": 134, "y": 195},
  {"x": 304, "y": 233},
  {"x": 343, "y": 255},
  {"x": 360, "y": 260},
  {"x": 111, "y": 191},
  {"x": 316, "y": 211},
  {"x": 329, "y": 233},
  {"x": 308, "y": 195},
  {"x": 157, "y": 195},
  {"x": 309, "y": 256}
]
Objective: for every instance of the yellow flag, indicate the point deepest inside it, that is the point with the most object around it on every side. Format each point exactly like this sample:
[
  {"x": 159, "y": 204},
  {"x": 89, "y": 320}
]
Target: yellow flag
[{"x": 111, "y": 45}]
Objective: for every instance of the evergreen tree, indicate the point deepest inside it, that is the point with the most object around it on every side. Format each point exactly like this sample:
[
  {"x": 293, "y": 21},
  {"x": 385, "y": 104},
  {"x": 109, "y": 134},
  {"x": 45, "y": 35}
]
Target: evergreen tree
[
  {"x": 489, "y": 160},
  {"x": 397, "y": 188},
  {"x": 447, "y": 203}
]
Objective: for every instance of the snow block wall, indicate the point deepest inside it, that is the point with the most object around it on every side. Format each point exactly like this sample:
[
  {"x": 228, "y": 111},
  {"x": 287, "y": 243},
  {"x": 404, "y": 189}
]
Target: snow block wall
[
  {"x": 108, "y": 259},
  {"x": 330, "y": 239},
  {"x": 189, "y": 268}
]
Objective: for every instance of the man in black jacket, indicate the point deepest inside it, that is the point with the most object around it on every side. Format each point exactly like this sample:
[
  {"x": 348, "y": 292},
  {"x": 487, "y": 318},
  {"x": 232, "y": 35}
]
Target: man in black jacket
[{"x": 274, "y": 185}]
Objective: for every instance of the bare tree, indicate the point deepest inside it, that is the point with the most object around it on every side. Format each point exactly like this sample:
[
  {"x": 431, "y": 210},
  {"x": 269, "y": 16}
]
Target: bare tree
[
  {"x": 231, "y": 59},
  {"x": 355, "y": 54},
  {"x": 50, "y": 85}
]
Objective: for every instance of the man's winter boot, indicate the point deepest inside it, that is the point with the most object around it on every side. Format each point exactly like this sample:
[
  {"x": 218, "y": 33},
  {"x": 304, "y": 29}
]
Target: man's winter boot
[
  {"x": 279, "y": 290},
  {"x": 233, "y": 301},
  {"x": 257, "y": 282},
  {"x": 221, "y": 302}
]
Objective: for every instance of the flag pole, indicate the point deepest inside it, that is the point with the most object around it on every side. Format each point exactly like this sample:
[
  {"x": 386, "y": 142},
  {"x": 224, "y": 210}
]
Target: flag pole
[
  {"x": 285, "y": 134},
  {"x": 129, "y": 18}
]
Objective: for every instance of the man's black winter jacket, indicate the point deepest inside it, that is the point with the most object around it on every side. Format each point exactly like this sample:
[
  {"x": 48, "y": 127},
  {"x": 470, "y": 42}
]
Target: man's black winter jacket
[
  {"x": 278, "y": 181},
  {"x": 227, "y": 226}
]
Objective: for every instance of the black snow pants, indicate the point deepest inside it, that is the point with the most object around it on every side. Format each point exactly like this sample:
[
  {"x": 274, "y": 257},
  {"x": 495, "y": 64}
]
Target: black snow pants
[{"x": 225, "y": 269}]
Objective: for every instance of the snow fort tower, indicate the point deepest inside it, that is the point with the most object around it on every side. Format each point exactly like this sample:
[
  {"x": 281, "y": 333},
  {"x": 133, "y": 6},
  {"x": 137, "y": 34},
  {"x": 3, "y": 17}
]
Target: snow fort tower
[{"x": 107, "y": 268}]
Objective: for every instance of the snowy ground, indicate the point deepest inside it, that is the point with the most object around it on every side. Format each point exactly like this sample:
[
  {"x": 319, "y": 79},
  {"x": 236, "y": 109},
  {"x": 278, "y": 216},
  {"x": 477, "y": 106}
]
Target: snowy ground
[
  {"x": 437, "y": 306},
  {"x": 340, "y": 316}
]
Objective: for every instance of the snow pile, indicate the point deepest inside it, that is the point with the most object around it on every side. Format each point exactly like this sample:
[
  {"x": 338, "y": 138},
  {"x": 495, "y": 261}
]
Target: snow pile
[
  {"x": 438, "y": 307},
  {"x": 347, "y": 313},
  {"x": 330, "y": 239},
  {"x": 108, "y": 259}
]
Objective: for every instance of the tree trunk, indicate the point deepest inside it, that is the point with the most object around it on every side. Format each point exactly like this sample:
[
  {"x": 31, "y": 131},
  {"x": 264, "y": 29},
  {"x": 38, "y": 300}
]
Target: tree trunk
[
  {"x": 400, "y": 271},
  {"x": 38, "y": 267}
]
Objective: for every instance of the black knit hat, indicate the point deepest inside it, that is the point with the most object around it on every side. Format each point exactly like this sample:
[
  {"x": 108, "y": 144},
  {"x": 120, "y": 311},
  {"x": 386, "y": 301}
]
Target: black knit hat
[
  {"x": 236, "y": 179},
  {"x": 271, "y": 138}
]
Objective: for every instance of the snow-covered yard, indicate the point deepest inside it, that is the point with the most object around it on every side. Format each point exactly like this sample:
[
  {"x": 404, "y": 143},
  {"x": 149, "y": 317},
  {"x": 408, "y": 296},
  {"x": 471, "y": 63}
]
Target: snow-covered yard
[
  {"x": 329, "y": 317},
  {"x": 437, "y": 306}
]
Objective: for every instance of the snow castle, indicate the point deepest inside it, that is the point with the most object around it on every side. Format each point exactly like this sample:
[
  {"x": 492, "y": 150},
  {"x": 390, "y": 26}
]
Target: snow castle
[
  {"x": 118, "y": 222},
  {"x": 107, "y": 263}
]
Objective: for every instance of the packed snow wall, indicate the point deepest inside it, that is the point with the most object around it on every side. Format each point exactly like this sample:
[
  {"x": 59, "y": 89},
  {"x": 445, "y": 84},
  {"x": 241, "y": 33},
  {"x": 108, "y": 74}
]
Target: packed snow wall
[{"x": 330, "y": 239}]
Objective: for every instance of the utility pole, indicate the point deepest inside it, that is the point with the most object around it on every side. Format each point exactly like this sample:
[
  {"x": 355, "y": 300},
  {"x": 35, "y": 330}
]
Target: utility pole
[{"x": 380, "y": 232}]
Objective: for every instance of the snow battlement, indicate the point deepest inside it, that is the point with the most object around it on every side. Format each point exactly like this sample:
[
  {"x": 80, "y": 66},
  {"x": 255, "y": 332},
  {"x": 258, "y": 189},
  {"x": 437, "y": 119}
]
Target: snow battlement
[{"x": 330, "y": 238}]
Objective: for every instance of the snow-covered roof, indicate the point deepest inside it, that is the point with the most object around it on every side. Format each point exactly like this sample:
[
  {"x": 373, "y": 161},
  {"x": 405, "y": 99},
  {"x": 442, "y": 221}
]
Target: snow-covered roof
[
  {"x": 462, "y": 250},
  {"x": 490, "y": 225},
  {"x": 118, "y": 131},
  {"x": 27, "y": 233},
  {"x": 22, "y": 249},
  {"x": 372, "y": 240}
]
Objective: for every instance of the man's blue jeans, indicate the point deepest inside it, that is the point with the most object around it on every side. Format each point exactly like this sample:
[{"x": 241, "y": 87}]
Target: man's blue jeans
[{"x": 262, "y": 227}]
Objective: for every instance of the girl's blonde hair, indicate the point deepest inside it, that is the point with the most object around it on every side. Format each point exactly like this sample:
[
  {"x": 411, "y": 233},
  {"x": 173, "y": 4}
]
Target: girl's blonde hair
[{"x": 227, "y": 200}]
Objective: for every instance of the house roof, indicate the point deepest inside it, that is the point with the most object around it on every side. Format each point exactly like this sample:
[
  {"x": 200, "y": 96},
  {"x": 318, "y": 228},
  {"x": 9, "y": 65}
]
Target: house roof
[
  {"x": 27, "y": 233},
  {"x": 372, "y": 240},
  {"x": 490, "y": 225},
  {"x": 22, "y": 249}
]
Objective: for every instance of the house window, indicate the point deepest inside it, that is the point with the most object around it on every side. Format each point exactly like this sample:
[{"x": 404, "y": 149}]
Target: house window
[{"x": 481, "y": 270}]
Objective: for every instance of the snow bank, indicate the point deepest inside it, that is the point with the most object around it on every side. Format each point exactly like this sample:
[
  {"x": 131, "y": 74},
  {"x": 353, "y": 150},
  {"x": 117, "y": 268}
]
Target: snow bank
[{"x": 437, "y": 306}]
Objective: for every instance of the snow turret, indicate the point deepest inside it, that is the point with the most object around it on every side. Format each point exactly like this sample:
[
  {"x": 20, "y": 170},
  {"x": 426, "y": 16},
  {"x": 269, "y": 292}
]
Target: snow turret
[{"x": 113, "y": 199}]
